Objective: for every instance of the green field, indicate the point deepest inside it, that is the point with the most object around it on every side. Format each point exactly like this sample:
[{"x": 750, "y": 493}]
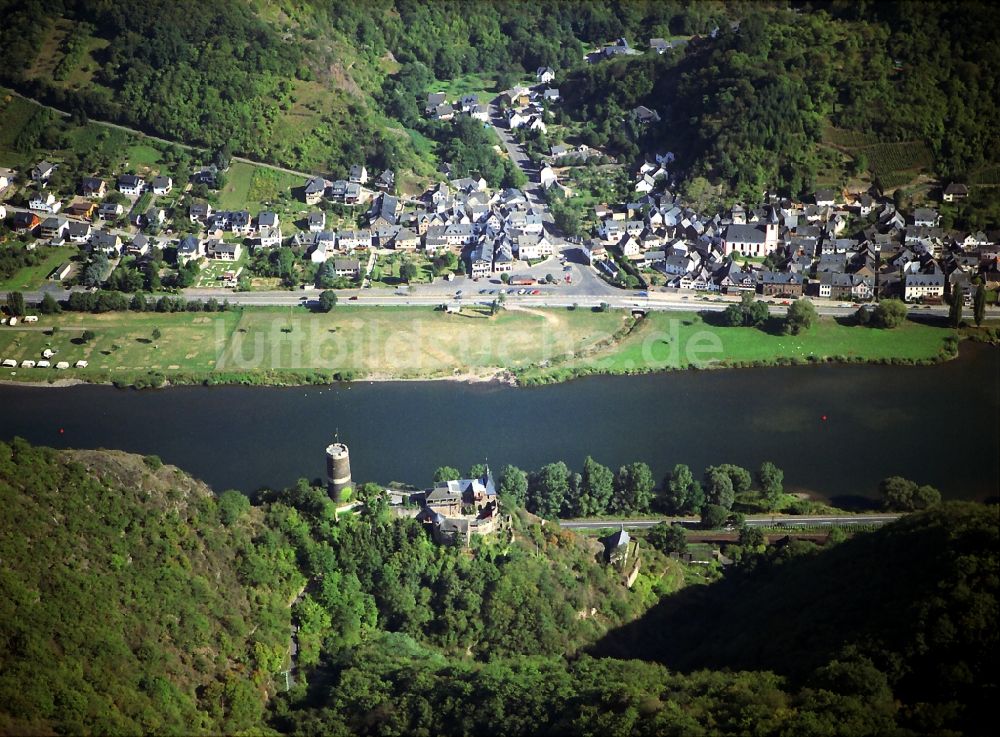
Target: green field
[
  {"x": 123, "y": 345},
  {"x": 664, "y": 341},
  {"x": 31, "y": 277},
  {"x": 269, "y": 185},
  {"x": 234, "y": 195},
  {"x": 142, "y": 156},
  {"x": 15, "y": 113},
  {"x": 276, "y": 345},
  {"x": 483, "y": 86},
  {"x": 386, "y": 270}
]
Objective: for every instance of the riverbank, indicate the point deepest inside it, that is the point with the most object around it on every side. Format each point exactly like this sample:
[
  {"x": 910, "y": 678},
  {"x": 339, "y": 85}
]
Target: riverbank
[{"x": 293, "y": 347}]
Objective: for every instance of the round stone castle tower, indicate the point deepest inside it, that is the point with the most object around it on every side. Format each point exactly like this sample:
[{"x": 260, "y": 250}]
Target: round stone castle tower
[{"x": 338, "y": 470}]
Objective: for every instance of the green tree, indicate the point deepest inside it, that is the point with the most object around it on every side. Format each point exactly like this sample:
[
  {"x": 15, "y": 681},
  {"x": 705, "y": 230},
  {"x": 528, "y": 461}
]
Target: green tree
[
  {"x": 408, "y": 271},
  {"x": 979, "y": 305},
  {"x": 801, "y": 316},
  {"x": 633, "y": 488},
  {"x": 889, "y": 314},
  {"x": 596, "y": 489},
  {"x": 681, "y": 491},
  {"x": 87, "y": 336},
  {"x": 327, "y": 300},
  {"x": 477, "y": 470},
  {"x": 741, "y": 478},
  {"x": 514, "y": 485},
  {"x": 770, "y": 478},
  {"x": 446, "y": 473},
  {"x": 156, "y": 334},
  {"x": 713, "y": 516},
  {"x": 49, "y": 305},
  {"x": 752, "y": 538},
  {"x": 326, "y": 275},
  {"x": 750, "y": 312},
  {"x": 373, "y": 497},
  {"x": 667, "y": 538},
  {"x": 719, "y": 487},
  {"x": 926, "y": 496},
  {"x": 15, "y": 304},
  {"x": 902, "y": 495},
  {"x": 955, "y": 309},
  {"x": 547, "y": 488},
  {"x": 232, "y": 506}
]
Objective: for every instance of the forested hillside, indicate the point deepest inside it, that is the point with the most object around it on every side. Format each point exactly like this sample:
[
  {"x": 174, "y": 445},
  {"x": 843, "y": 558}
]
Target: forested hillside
[
  {"x": 124, "y": 608},
  {"x": 134, "y": 601},
  {"x": 781, "y": 96},
  {"x": 915, "y": 601},
  {"x": 759, "y": 97},
  {"x": 207, "y": 72}
]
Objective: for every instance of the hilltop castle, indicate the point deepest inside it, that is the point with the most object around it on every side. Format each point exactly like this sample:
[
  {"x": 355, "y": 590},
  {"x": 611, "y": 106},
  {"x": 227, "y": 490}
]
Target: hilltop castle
[{"x": 457, "y": 509}]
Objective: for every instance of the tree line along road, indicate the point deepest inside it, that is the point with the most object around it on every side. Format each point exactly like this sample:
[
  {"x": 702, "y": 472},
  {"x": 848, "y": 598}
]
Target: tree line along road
[{"x": 823, "y": 520}]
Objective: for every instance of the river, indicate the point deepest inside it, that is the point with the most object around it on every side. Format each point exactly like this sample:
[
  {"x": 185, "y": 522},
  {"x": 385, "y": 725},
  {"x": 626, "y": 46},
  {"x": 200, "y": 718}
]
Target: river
[{"x": 835, "y": 430}]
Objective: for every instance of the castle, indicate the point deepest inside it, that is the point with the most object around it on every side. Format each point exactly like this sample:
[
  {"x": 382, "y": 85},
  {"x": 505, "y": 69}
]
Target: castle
[{"x": 457, "y": 509}]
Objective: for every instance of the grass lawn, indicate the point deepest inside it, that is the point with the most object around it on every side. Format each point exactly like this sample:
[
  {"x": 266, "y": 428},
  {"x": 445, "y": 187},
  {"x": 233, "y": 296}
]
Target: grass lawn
[
  {"x": 405, "y": 342},
  {"x": 234, "y": 195},
  {"x": 187, "y": 342},
  {"x": 423, "y": 145},
  {"x": 31, "y": 277},
  {"x": 482, "y": 85},
  {"x": 291, "y": 344},
  {"x": 143, "y": 157},
  {"x": 267, "y": 186},
  {"x": 386, "y": 271},
  {"x": 212, "y": 271},
  {"x": 680, "y": 340}
]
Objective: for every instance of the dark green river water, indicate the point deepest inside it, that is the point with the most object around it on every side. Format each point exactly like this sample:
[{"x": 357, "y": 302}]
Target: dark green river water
[{"x": 835, "y": 430}]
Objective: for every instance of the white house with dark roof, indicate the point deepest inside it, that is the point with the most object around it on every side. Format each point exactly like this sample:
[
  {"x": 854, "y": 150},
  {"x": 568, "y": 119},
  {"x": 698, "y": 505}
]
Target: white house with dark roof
[
  {"x": 316, "y": 221},
  {"x": 44, "y": 202},
  {"x": 955, "y": 191},
  {"x": 190, "y": 248},
  {"x": 750, "y": 240},
  {"x": 131, "y": 185},
  {"x": 358, "y": 174},
  {"x": 926, "y": 217},
  {"x": 42, "y": 171},
  {"x": 918, "y": 286},
  {"x": 162, "y": 185},
  {"x": 313, "y": 190}
]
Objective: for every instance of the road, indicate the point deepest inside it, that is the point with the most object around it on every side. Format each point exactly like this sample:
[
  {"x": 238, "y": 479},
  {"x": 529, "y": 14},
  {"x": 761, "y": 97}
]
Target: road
[
  {"x": 552, "y": 296},
  {"x": 751, "y": 521}
]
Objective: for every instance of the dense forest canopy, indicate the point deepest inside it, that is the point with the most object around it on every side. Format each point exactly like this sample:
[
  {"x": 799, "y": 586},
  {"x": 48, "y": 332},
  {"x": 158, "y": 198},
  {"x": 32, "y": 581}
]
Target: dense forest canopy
[
  {"x": 184, "y": 604},
  {"x": 122, "y": 606},
  {"x": 747, "y": 103}
]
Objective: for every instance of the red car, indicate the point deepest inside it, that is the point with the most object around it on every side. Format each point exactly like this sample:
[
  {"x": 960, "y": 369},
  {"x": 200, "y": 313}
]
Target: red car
[{"x": 535, "y": 291}]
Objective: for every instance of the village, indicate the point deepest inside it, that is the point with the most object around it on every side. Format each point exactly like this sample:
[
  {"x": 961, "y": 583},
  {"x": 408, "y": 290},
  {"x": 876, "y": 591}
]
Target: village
[{"x": 359, "y": 231}]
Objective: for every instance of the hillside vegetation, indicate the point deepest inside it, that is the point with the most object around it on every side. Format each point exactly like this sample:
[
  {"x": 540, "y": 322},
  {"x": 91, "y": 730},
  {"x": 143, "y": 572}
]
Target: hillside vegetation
[
  {"x": 761, "y": 97},
  {"x": 915, "y": 601},
  {"x": 908, "y": 88},
  {"x": 123, "y": 608},
  {"x": 134, "y": 601}
]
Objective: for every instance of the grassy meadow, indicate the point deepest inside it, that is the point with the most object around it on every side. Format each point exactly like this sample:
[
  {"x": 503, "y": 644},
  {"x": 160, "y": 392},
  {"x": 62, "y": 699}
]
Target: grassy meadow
[{"x": 292, "y": 345}]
